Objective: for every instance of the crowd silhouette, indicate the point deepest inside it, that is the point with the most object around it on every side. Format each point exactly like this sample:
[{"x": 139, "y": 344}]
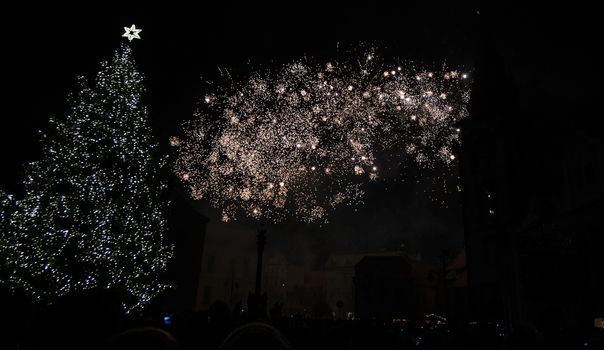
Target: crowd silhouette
[{"x": 95, "y": 320}]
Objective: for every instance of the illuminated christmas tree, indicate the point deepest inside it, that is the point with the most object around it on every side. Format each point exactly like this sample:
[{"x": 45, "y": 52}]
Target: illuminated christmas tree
[{"x": 93, "y": 214}]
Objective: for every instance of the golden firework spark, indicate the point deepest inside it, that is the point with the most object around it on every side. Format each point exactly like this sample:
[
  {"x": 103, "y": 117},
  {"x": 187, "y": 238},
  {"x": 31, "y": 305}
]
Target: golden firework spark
[{"x": 280, "y": 127}]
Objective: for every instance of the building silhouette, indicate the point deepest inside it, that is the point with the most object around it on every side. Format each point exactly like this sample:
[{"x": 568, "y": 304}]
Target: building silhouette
[
  {"x": 228, "y": 275},
  {"x": 187, "y": 231},
  {"x": 384, "y": 288},
  {"x": 532, "y": 180}
]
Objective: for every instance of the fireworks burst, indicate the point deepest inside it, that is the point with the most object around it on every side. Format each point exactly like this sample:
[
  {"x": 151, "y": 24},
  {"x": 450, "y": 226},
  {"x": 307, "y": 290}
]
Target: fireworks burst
[{"x": 302, "y": 140}]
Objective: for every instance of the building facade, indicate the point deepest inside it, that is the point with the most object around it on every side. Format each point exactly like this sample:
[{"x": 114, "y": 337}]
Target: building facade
[{"x": 532, "y": 185}]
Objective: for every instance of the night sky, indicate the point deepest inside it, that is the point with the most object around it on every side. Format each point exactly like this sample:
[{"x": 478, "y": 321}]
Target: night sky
[{"x": 45, "y": 48}]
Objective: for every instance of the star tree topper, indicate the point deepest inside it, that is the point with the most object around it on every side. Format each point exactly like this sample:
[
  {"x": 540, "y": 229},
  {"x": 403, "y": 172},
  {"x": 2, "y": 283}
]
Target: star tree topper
[{"x": 132, "y": 33}]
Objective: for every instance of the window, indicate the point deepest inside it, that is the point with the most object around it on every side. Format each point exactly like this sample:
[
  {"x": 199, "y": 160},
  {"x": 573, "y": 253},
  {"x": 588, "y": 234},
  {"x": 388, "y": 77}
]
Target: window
[
  {"x": 207, "y": 295},
  {"x": 579, "y": 177},
  {"x": 590, "y": 173},
  {"x": 210, "y": 262}
]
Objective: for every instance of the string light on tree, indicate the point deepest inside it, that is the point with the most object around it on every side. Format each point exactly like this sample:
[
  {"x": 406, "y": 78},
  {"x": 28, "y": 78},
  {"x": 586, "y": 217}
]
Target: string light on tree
[{"x": 93, "y": 213}]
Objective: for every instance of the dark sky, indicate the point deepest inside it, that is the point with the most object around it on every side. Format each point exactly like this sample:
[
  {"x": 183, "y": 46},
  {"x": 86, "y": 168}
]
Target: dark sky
[{"x": 46, "y": 47}]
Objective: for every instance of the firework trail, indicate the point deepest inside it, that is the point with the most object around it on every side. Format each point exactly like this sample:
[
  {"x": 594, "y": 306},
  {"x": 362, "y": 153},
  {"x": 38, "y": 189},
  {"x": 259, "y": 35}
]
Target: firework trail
[{"x": 303, "y": 140}]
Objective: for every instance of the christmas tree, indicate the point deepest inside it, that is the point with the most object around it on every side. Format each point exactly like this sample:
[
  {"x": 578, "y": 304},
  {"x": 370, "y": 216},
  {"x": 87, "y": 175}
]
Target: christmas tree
[{"x": 93, "y": 213}]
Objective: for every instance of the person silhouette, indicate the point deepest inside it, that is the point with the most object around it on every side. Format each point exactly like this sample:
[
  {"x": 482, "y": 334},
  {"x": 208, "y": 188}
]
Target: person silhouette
[
  {"x": 148, "y": 338},
  {"x": 256, "y": 335}
]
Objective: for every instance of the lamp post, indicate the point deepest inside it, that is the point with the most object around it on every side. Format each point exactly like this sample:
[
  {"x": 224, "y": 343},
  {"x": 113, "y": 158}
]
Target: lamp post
[
  {"x": 260, "y": 243},
  {"x": 444, "y": 257},
  {"x": 256, "y": 301}
]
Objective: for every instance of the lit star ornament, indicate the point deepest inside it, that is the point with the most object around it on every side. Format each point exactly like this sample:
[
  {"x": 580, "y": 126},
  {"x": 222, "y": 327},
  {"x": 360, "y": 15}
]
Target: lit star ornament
[{"x": 132, "y": 33}]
